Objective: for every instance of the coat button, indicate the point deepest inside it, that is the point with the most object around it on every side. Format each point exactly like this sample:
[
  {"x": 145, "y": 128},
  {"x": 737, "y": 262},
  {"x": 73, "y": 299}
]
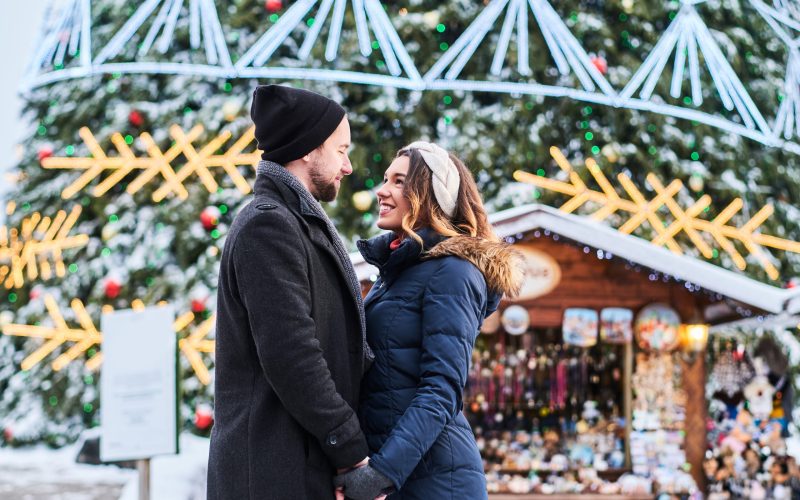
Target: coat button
[
  {"x": 332, "y": 440},
  {"x": 266, "y": 206}
]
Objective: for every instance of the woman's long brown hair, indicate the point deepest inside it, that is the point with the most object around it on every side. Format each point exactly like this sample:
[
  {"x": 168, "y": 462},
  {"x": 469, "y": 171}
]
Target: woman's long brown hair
[{"x": 469, "y": 218}]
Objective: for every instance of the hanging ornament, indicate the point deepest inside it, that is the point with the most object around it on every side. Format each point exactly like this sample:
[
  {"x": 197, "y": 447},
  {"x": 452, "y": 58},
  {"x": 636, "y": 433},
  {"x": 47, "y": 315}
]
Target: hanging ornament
[
  {"x": 515, "y": 320},
  {"x": 431, "y": 18},
  {"x": 44, "y": 152},
  {"x": 610, "y": 152},
  {"x": 109, "y": 231},
  {"x": 696, "y": 183},
  {"x": 6, "y": 317},
  {"x": 231, "y": 109},
  {"x": 656, "y": 328},
  {"x": 8, "y": 434},
  {"x": 209, "y": 217},
  {"x": 198, "y": 299},
  {"x": 362, "y": 200},
  {"x": 198, "y": 306},
  {"x": 273, "y": 5},
  {"x": 203, "y": 417},
  {"x": 112, "y": 287},
  {"x": 601, "y": 64},
  {"x": 35, "y": 292},
  {"x": 135, "y": 118}
]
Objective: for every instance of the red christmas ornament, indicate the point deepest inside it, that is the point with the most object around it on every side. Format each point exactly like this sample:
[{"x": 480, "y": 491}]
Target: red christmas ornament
[
  {"x": 601, "y": 64},
  {"x": 8, "y": 434},
  {"x": 45, "y": 152},
  {"x": 209, "y": 217},
  {"x": 273, "y": 5},
  {"x": 35, "y": 293},
  {"x": 203, "y": 417},
  {"x": 198, "y": 306},
  {"x": 112, "y": 288},
  {"x": 135, "y": 118}
]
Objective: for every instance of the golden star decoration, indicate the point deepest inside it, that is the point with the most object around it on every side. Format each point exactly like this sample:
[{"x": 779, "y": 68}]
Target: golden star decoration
[
  {"x": 27, "y": 251},
  {"x": 192, "y": 345},
  {"x": 159, "y": 163},
  {"x": 640, "y": 209}
]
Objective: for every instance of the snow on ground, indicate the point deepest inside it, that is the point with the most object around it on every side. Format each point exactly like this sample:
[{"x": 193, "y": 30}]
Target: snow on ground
[{"x": 40, "y": 473}]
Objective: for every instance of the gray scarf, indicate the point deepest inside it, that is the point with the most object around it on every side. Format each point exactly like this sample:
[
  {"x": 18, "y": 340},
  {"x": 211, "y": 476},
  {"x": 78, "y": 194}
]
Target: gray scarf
[{"x": 313, "y": 206}]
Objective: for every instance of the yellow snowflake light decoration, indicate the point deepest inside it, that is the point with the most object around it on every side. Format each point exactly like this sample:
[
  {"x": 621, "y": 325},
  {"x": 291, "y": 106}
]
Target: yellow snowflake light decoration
[
  {"x": 58, "y": 334},
  {"x": 27, "y": 251},
  {"x": 87, "y": 336},
  {"x": 159, "y": 163},
  {"x": 688, "y": 220},
  {"x": 196, "y": 342}
]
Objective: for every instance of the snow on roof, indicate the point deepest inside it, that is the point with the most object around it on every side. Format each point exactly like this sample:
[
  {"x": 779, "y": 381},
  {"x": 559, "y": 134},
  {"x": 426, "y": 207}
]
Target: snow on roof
[{"x": 586, "y": 231}]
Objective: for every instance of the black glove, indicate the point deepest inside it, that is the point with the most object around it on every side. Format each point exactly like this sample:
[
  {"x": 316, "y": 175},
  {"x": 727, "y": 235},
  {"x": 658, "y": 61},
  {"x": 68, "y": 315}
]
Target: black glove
[{"x": 363, "y": 483}]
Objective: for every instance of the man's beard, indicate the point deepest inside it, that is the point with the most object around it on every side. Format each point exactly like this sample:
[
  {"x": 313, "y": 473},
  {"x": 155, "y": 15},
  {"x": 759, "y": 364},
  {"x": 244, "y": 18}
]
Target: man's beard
[{"x": 322, "y": 188}]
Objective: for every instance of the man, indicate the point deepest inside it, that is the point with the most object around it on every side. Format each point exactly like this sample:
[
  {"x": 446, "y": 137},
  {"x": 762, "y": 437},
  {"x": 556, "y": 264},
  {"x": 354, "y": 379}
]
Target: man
[{"x": 291, "y": 344}]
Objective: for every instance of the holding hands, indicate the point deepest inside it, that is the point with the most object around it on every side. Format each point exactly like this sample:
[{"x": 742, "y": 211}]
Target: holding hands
[{"x": 362, "y": 482}]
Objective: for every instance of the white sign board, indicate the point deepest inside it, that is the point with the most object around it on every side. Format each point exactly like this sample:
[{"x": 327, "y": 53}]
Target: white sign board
[
  {"x": 542, "y": 273},
  {"x": 138, "y": 385}
]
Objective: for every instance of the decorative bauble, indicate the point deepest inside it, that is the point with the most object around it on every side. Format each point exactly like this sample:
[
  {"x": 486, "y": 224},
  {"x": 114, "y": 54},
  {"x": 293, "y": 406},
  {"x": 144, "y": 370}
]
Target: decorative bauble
[
  {"x": 6, "y": 317},
  {"x": 44, "y": 152},
  {"x": 515, "y": 320},
  {"x": 35, "y": 293},
  {"x": 112, "y": 287},
  {"x": 209, "y": 217},
  {"x": 273, "y": 5},
  {"x": 431, "y": 18},
  {"x": 696, "y": 183},
  {"x": 136, "y": 118},
  {"x": 8, "y": 434},
  {"x": 601, "y": 64},
  {"x": 657, "y": 327},
  {"x": 109, "y": 231},
  {"x": 610, "y": 152},
  {"x": 203, "y": 417},
  {"x": 198, "y": 306},
  {"x": 231, "y": 109},
  {"x": 362, "y": 200}
]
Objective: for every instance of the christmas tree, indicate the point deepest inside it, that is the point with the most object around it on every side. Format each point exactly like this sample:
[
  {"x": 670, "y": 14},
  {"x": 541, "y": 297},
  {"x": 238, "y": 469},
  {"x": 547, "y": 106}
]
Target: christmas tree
[{"x": 160, "y": 239}]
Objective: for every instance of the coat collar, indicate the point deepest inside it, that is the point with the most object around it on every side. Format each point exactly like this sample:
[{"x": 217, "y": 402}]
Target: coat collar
[
  {"x": 268, "y": 185},
  {"x": 376, "y": 251}
]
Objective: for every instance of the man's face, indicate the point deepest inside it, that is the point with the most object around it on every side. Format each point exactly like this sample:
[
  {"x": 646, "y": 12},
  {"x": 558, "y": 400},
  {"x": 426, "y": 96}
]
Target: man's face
[{"x": 330, "y": 163}]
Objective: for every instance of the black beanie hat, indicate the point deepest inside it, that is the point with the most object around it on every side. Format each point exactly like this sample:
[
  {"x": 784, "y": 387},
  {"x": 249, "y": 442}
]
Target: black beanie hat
[{"x": 290, "y": 123}]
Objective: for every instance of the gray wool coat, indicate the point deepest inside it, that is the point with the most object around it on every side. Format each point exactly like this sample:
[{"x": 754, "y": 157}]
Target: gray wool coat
[{"x": 289, "y": 356}]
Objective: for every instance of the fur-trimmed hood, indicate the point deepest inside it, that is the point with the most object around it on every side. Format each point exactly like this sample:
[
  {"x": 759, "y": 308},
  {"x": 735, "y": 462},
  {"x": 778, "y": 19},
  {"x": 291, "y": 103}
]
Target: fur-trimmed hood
[{"x": 501, "y": 265}]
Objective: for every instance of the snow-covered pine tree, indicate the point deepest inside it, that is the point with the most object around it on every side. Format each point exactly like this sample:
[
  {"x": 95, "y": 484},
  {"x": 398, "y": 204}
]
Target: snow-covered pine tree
[{"x": 161, "y": 251}]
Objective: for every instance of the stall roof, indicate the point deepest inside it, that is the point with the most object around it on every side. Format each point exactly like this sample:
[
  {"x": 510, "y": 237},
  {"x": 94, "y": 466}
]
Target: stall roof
[{"x": 592, "y": 233}]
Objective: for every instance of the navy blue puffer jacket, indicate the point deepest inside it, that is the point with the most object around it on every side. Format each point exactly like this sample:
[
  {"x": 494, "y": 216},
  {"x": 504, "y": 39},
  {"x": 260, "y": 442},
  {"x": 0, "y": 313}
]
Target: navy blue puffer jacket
[{"x": 423, "y": 315}]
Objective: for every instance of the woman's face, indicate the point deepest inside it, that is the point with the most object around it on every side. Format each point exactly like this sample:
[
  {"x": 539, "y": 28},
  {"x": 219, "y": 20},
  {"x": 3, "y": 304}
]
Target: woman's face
[{"x": 393, "y": 206}]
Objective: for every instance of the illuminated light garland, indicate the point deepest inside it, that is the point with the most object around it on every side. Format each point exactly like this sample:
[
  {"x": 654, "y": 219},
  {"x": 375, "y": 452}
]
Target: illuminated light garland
[
  {"x": 687, "y": 220},
  {"x": 195, "y": 343},
  {"x": 58, "y": 334},
  {"x": 27, "y": 251},
  {"x": 87, "y": 336},
  {"x": 159, "y": 163}
]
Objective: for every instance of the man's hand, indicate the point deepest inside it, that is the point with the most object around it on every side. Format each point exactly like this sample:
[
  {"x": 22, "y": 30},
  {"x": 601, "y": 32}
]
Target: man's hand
[
  {"x": 339, "y": 491},
  {"x": 363, "y": 483}
]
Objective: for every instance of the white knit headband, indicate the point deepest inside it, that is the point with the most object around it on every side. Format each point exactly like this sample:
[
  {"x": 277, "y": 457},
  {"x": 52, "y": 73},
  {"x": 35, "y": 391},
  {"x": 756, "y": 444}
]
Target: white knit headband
[{"x": 445, "y": 174}]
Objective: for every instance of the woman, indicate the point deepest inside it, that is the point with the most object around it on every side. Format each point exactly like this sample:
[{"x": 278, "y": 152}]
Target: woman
[{"x": 442, "y": 271}]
